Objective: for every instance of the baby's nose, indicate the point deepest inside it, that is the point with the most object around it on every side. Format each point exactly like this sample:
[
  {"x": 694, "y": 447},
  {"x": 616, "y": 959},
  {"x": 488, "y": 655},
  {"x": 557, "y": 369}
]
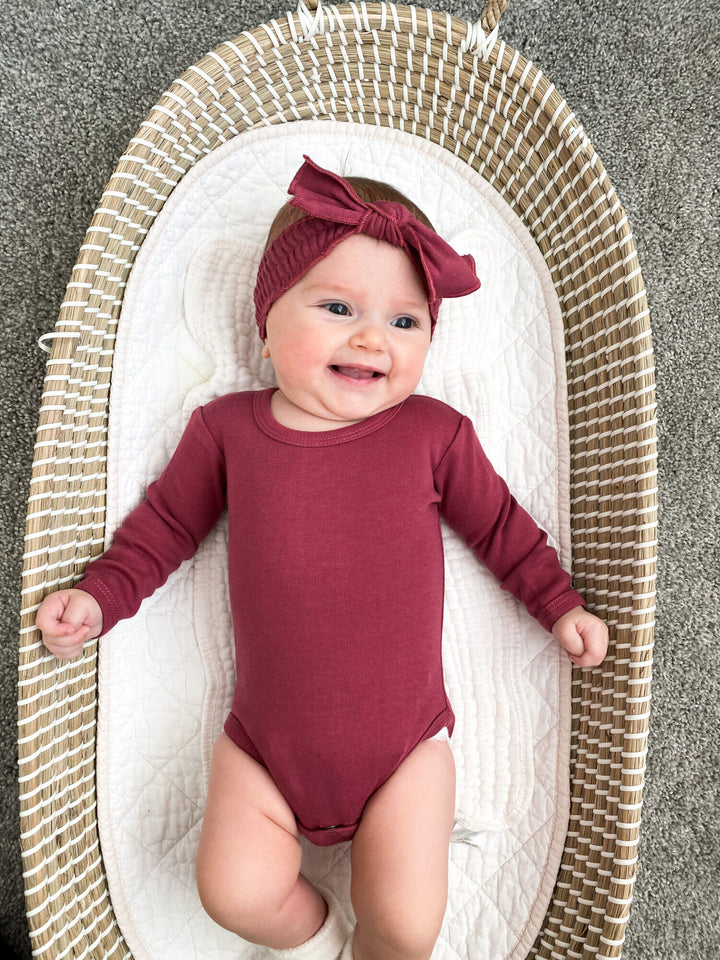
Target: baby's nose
[{"x": 370, "y": 336}]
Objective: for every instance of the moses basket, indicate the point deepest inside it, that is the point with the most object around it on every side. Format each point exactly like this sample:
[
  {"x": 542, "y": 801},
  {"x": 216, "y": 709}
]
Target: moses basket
[{"x": 459, "y": 86}]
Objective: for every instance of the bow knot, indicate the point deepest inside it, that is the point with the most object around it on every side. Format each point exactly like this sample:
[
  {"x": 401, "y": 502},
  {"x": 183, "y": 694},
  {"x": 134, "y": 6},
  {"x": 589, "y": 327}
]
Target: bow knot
[{"x": 385, "y": 224}]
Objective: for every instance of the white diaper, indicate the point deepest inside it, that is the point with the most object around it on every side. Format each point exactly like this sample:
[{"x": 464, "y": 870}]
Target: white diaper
[{"x": 441, "y": 735}]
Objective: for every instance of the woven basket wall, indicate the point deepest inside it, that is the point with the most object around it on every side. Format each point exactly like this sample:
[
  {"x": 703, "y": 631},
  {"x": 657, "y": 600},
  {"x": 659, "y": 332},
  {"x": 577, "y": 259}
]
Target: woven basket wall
[{"x": 448, "y": 81}]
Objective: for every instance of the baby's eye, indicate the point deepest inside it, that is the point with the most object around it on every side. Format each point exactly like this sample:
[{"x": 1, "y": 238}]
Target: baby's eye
[
  {"x": 339, "y": 309},
  {"x": 404, "y": 323}
]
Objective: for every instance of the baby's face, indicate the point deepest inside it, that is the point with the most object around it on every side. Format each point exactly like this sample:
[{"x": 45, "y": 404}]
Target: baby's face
[{"x": 350, "y": 338}]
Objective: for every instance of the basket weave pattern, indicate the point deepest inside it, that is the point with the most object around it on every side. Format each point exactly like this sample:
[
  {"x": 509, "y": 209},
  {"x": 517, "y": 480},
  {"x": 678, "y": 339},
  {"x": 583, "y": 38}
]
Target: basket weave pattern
[{"x": 448, "y": 81}]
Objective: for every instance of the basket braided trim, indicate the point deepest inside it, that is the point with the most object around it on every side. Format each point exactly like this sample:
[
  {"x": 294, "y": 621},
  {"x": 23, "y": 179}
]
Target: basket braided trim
[{"x": 428, "y": 74}]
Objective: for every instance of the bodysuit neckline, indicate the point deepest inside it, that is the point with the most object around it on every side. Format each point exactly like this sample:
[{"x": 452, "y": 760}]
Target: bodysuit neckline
[{"x": 322, "y": 438}]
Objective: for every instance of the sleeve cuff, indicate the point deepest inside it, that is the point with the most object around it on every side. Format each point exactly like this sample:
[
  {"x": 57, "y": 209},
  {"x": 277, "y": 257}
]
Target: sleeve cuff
[
  {"x": 104, "y": 598},
  {"x": 560, "y": 605}
]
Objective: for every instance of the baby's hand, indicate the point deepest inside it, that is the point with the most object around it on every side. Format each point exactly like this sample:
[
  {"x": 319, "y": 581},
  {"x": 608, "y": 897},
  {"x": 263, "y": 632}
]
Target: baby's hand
[
  {"x": 583, "y": 635},
  {"x": 67, "y": 619}
]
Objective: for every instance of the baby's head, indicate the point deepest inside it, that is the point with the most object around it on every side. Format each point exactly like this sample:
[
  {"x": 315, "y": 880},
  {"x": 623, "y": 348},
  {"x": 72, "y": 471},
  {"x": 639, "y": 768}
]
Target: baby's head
[
  {"x": 347, "y": 296},
  {"x": 326, "y": 209}
]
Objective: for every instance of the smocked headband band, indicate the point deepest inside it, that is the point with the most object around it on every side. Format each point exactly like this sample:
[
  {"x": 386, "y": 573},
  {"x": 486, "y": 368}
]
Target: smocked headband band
[{"x": 334, "y": 212}]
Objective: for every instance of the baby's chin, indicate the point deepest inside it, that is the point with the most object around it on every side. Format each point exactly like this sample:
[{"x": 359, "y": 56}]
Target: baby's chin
[
  {"x": 310, "y": 415},
  {"x": 343, "y": 397}
]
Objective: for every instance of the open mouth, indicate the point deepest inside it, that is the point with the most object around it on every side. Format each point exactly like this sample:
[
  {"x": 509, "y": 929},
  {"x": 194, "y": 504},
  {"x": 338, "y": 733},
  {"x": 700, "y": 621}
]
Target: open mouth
[{"x": 357, "y": 373}]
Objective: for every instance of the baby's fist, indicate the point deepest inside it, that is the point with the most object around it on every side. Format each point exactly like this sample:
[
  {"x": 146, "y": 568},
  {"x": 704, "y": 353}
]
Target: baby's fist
[
  {"x": 67, "y": 619},
  {"x": 583, "y": 635}
]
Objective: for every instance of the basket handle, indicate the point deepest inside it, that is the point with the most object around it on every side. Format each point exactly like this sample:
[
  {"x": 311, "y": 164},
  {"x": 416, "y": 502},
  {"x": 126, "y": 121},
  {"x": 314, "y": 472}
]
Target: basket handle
[
  {"x": 489, "y": 18},
  {"x": 492, "y": 11}
]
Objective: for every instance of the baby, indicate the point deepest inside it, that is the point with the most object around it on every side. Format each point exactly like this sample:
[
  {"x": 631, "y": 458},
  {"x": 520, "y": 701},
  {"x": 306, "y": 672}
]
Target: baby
[{"x": 334, "y": 484}]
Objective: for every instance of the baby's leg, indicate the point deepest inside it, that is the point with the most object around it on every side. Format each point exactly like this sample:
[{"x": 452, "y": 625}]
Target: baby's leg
[
  {"x": 399, "y": 858},
  {"x": 248, "y": 862}
]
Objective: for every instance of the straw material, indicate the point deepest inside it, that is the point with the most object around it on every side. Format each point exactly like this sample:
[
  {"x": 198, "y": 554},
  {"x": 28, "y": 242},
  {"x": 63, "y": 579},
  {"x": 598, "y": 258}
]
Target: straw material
[{"x": 446, "y": 80}]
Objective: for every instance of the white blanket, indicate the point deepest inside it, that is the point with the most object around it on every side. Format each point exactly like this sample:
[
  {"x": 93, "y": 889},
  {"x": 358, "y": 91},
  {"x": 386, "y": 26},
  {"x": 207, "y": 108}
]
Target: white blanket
[{"x": 188, "y": 334}]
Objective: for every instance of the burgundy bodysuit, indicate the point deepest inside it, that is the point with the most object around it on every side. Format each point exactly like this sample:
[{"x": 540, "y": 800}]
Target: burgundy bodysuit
[{"x": 336, "y": 581}]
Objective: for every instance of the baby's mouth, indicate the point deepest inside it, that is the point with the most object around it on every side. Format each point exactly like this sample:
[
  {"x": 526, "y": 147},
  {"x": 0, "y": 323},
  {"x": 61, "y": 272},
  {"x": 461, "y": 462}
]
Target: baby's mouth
[{"x": 357, "y": 373}]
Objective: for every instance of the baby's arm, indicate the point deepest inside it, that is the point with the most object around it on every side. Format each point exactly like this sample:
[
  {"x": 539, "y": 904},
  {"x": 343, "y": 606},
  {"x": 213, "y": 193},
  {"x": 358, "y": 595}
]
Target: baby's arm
[
  {"x": 165, "y": 529},
  {"x": 67, "y": 619},
  {"x": 583, "y": 636},
  {"x": 478, "y": 504}
]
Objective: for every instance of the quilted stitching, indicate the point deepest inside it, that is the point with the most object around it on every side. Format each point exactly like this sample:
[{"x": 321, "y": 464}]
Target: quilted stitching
[{"x": 166, "y": 677}]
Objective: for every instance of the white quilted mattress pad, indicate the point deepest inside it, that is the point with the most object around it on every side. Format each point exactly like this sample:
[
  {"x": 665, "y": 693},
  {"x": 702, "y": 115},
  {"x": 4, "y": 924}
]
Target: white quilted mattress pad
[{"x": 187, "y": 334}]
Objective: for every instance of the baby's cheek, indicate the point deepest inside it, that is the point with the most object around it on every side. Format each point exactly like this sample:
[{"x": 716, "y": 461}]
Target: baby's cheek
[{"x": 418, "y": 363}]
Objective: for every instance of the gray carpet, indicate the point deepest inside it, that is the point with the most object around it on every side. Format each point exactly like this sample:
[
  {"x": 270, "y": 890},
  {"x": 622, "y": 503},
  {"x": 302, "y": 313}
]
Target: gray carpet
[{"x": 641, "y": 76}]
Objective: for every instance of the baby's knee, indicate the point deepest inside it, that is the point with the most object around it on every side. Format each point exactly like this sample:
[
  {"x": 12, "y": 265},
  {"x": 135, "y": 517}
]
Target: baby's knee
[
  {"x": 403, "y": 935},
  {"x": 247, "y": 903}
]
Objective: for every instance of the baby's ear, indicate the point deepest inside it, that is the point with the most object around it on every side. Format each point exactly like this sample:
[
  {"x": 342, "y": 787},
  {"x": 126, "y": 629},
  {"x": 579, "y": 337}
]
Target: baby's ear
[{"x": 266, "y": 351}]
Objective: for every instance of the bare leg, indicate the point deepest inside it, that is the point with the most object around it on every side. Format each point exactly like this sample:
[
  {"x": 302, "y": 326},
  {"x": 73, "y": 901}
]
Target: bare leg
[
  {"x": 248, "y": 862},
  {"x": 399, "y": 858}
]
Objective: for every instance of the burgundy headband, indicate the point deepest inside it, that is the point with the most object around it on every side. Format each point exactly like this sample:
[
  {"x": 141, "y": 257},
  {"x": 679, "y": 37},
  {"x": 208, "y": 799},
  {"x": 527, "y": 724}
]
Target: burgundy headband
[{"x": 334, "y": 212}]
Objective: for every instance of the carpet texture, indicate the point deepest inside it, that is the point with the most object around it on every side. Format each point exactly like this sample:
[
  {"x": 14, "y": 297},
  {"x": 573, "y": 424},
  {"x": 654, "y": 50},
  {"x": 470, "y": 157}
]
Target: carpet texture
[{"x": 79, "y": 78}]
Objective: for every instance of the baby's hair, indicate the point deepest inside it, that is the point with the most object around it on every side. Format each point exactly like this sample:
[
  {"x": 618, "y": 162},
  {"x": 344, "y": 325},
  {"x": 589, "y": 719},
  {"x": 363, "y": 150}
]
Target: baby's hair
[{"x": 367, "y": 189}]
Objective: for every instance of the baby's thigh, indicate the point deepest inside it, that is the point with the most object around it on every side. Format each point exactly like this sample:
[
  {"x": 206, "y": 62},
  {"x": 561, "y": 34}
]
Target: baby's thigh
[
  {"x": 400, "y": 852},
  {"x": 249, "y": 853}
]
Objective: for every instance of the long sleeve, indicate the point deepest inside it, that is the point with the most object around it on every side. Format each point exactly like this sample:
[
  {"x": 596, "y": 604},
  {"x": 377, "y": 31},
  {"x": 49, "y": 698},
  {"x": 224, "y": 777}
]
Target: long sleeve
[
  {"x": 179, "y": 510},
  {"x": 477, "y": 504}
]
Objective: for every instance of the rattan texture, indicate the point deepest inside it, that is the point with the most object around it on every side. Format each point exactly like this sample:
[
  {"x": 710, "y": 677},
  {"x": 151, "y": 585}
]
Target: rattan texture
[{"x": 454, "y": 83}]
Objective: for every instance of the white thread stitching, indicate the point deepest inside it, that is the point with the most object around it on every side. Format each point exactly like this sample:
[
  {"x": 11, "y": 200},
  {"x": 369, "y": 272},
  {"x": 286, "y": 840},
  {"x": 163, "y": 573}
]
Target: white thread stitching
[
  {"x": 312, "y": 23},
  {"x": 479, "y": 42}
]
